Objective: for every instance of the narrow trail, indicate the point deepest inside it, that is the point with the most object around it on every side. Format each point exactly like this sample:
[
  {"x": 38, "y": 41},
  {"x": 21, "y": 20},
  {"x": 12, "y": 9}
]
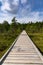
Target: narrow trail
[{"x": 23, "y": 52}]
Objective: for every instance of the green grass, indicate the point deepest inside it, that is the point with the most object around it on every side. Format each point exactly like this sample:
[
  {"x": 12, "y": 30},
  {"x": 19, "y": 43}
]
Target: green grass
[
  {"x": 37, "y": 38},
  {"x": 5, "y": 44},
  {"x": 6, "y": 39}
]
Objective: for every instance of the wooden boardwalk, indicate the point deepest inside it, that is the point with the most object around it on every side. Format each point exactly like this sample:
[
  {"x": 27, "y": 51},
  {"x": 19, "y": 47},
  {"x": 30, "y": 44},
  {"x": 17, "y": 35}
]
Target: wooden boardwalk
[{"x": 23, "y": 52}]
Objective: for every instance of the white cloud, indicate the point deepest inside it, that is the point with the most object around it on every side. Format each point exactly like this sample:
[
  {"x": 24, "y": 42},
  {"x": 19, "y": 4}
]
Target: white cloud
[
  {"x": 23, "y": 1},
  {"x": 33, "y": 16},
  {"x": 5, "y": 6},
  {"x": 4, "y": 16},
  {"x": 15, "y": 2},
  {"x": 10, "y": 6},
  {"x": 1, "y": 0},
  {"x": 24, "y": 12}
]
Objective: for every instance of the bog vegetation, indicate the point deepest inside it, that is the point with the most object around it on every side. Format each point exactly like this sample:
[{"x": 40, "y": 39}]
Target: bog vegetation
[{"x": 9, "y": 32}]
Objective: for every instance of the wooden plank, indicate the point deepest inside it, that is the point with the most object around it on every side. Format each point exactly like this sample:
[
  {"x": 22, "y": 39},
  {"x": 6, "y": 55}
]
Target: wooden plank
[{"x": 23, "y": 53}]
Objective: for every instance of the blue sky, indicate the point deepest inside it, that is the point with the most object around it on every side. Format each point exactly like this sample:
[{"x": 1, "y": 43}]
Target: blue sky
[{"x": 23, "y": 10}]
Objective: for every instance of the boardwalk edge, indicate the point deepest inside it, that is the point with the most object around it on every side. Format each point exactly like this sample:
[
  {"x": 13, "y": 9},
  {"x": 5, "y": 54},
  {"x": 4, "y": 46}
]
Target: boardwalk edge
[
  {"x": 37, "y": 50},
  {"x": 5, "y": 55}
]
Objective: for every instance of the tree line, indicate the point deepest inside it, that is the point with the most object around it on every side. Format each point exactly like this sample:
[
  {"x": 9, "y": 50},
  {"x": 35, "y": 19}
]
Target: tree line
[{"x": 15, "y": 26}]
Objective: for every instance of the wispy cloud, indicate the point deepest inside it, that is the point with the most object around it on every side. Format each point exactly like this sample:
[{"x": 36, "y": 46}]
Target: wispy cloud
[
  {"x": 23, "y": 1},
  {"x": 24, "y": 10},
  {"x": 33, "y": 16}
]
